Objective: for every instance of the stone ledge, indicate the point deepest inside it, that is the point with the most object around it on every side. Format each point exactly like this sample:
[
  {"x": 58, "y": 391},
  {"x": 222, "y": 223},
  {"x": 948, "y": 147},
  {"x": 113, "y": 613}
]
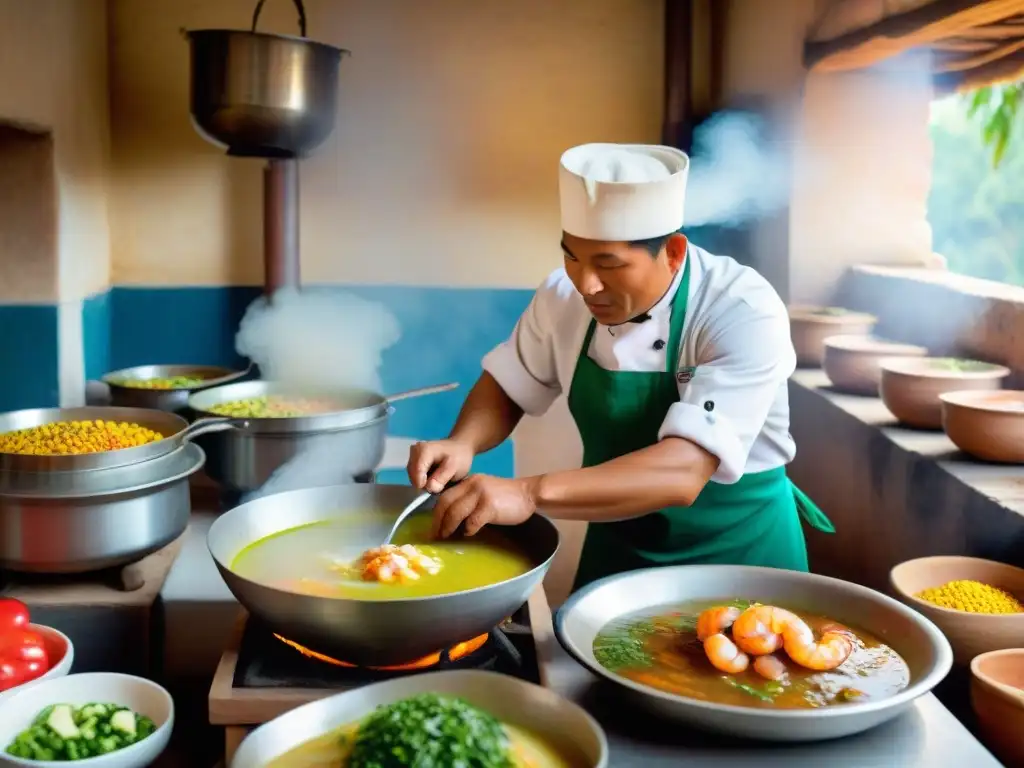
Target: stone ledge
[
  {"x": 943, "y": 311},
  {"x": 895, "y": 493}
]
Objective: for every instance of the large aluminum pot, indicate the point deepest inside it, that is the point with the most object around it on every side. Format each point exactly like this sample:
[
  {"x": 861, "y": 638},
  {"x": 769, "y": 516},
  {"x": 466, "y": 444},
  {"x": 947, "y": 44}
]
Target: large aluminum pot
[
  {"x": 263, "y": 95},
  {"x": 124, "y": 395},
  {"x": 353, "y": 436},
  {"x": 914, "y": 637},
  {"x": 368, "y": 632},
  {"x": 175, "y": 429},
  {"x": 83, "y": 521},
  {"x": 547, "y": 715}
]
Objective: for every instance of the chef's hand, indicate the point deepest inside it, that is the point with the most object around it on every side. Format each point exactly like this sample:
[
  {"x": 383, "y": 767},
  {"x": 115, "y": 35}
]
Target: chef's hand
[
  {"x": 481, "y": 500},
  {"x": 434, "y": 464}
]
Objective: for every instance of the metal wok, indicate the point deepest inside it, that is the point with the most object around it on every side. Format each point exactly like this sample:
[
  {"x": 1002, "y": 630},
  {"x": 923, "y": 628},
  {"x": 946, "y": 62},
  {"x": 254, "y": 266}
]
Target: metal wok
[
  {"x": 353, "y": 435},
  {"x": 176, "y": 432},
  {"x": 368, "y": 632}
]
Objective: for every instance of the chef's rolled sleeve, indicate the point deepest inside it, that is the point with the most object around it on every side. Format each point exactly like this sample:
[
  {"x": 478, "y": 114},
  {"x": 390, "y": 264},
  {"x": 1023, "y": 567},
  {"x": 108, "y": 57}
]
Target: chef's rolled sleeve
[
  {"x": 524, "y": 366},
  {"x": 740, "y": 371}
]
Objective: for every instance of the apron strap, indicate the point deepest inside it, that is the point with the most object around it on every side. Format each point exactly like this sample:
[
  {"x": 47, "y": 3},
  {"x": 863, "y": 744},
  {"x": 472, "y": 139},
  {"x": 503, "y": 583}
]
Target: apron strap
[
  {"x": 810, "y": 512},
  {"x": 678, "y": 319}
]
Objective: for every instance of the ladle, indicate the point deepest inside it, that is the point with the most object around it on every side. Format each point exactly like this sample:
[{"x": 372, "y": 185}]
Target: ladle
[
  {"x": 410, "y": 508},
  {"x": 415, "y": 504}
]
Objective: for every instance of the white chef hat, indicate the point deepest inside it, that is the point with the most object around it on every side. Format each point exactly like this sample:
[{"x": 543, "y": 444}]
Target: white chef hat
[{"x": 622, "y": 192}]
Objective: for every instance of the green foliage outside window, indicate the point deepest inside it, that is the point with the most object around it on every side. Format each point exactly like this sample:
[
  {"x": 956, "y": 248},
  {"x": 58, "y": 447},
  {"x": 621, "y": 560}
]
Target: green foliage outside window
[{"x": 976, "y": 203}]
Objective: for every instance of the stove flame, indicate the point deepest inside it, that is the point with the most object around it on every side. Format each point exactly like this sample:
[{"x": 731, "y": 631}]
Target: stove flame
[{"x": 457, "y": 651}]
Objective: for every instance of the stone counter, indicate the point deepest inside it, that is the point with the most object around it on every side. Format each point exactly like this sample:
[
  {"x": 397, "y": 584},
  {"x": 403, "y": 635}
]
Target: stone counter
[{"x": 895, "y": 493}]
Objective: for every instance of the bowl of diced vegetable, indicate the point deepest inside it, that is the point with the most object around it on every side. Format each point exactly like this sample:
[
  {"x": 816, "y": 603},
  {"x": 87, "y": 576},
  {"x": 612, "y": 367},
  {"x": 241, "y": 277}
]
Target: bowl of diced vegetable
[{"x": 104, "y": 719}]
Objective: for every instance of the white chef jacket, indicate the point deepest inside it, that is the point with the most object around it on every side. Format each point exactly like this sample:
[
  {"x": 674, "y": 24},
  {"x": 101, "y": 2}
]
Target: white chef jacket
[{"x": 736, "y": 337}]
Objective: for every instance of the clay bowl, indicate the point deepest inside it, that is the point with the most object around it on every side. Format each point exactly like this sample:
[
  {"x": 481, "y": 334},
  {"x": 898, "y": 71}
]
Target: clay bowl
[
  {"x": 910, "y": 386},
  {"x": 851, "y": 362},
  {"x": 987, "y": 425},
  {"x": 997, "y": 697},
  {"x": 969, "y": 633},
  {"x": 810, "y": 326}
]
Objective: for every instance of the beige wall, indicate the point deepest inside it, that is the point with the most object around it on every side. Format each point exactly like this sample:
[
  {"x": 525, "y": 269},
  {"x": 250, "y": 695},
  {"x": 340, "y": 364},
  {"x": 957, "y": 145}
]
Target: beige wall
[
  {"x": 860, "y": 149},
  {"x": 442, "y": 168},
  {"x": 53, "y": 54}
]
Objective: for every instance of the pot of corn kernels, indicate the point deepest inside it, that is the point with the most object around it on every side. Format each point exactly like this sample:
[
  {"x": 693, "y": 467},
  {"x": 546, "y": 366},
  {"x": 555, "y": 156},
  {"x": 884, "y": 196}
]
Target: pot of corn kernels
[{"x": 47, "y": 440}]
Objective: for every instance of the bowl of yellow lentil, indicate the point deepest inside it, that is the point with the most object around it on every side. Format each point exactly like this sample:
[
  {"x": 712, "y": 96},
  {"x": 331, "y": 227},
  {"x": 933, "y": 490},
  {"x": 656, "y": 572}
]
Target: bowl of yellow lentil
[
  {"x": 165, "y": 387},
  {"x": 978, "y": 604},
  {"x": 88, "y": 438}
]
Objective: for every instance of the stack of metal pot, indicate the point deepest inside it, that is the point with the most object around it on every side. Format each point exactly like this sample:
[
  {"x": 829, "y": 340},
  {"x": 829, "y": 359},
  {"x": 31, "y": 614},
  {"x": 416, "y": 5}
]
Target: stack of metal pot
[{"x": 81, "y": 512}]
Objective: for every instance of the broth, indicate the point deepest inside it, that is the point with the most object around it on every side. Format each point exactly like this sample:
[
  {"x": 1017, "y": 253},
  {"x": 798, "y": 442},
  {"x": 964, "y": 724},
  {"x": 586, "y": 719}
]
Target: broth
[
  {"x": 660, "y": 649},
  {"x": 310, "y": 559},
  {"x": 333, "y": 748}
]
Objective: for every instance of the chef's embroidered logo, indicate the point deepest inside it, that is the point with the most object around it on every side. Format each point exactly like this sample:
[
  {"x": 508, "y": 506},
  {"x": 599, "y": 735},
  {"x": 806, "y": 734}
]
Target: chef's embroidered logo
[{"x": 684, "y": 375}]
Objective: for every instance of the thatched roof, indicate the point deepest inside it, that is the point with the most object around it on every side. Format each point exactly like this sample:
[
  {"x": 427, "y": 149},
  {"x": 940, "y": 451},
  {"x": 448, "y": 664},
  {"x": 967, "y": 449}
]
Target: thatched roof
[{"x": 964, "y": 43}]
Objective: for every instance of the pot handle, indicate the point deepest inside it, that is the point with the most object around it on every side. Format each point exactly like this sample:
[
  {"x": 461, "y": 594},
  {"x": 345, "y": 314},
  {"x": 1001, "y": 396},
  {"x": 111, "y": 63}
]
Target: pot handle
[
  {"x": 210, "y": 425},
  {"x": 298, "y": 6},
  {"x": 422, "y": 391}
]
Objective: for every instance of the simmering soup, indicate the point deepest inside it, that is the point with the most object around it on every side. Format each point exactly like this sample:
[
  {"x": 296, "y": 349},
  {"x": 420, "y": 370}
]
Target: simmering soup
[
  {"x": 428, "y": 729},
  {"x": 751, "y": 655},
  {"x": 317, "y": 559}
]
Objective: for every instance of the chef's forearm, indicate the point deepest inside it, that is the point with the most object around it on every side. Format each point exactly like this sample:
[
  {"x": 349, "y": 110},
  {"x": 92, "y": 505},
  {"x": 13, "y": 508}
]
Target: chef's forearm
[
  {"x": 487, "y": 417},
  {"x": 670, "y": 473}
]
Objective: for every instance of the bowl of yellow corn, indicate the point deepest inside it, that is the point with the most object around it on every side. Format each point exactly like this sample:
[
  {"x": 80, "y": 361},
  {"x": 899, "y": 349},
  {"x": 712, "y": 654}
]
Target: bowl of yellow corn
[
  {"x": 75, "y": 439},
  {"x": 978, "y": 604}
]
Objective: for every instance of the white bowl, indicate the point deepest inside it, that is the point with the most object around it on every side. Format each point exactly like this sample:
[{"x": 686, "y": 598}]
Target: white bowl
[
  {"x": 18, "y": 710},
  {"x": 61, "y": 652},
  {"x": 516, "y": 702}
]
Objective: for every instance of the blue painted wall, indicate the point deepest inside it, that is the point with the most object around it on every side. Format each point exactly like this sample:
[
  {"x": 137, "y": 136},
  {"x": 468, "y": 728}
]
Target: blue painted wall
[
  {"x": 445, "y": 333},
  {"x": 28, "y": 357}
]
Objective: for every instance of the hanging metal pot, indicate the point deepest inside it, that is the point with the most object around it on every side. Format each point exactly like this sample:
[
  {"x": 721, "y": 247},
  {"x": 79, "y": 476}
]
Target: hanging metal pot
[{"x": 263, "y": 95}]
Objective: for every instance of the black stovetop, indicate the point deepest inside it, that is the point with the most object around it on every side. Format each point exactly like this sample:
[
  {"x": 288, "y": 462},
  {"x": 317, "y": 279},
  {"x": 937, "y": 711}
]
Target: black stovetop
[{"x": 266, "y": 662}]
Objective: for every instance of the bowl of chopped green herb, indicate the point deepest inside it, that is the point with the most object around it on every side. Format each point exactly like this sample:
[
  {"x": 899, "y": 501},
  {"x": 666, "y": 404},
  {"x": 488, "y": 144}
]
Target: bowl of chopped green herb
[
  {"x": 103, "y": 719},
  {"x": 464, "y": 717}
]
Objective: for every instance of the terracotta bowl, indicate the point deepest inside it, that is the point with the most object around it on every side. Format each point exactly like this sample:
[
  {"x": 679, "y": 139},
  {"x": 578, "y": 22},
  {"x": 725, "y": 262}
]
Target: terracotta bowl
[
  {"x": 810, "y": 326},
  {"x": 997, "y": 696},
  {"x": 987, "y": 425},
  {"x": 851, "y": 362},
  {"x": 910, "y": 386},
  {"x": 969, "y": 633}
]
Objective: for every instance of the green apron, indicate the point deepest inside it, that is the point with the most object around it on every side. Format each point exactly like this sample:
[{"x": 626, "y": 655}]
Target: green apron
[{"x": 755, "y": 521}]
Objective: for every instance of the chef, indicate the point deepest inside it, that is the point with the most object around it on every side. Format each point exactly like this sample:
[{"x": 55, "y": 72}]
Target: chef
[{"x": 675, "y": 364}]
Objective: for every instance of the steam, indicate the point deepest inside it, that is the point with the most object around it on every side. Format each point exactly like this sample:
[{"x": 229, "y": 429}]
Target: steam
[
  {"x": 318, "y": 340},
  {"x": 736, "y": 173}
]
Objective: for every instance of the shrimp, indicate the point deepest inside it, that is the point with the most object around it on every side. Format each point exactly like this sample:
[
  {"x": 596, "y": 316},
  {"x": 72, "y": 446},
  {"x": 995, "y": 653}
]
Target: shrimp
[
  {"x": 716, "y": 620},
  {"x": 834, "y": 647},
  {"x": 763, "y": 629},
  {"x": 390, "y": 563},
  {"x": 758, "y": 630},
  {"x": 771, "y": 667},
  {"x": 724, "y": 655}
]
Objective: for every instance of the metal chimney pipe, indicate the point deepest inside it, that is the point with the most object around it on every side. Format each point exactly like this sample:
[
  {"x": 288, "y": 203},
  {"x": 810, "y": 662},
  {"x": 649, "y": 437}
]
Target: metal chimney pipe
[{"x": 281, "y": 225}]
